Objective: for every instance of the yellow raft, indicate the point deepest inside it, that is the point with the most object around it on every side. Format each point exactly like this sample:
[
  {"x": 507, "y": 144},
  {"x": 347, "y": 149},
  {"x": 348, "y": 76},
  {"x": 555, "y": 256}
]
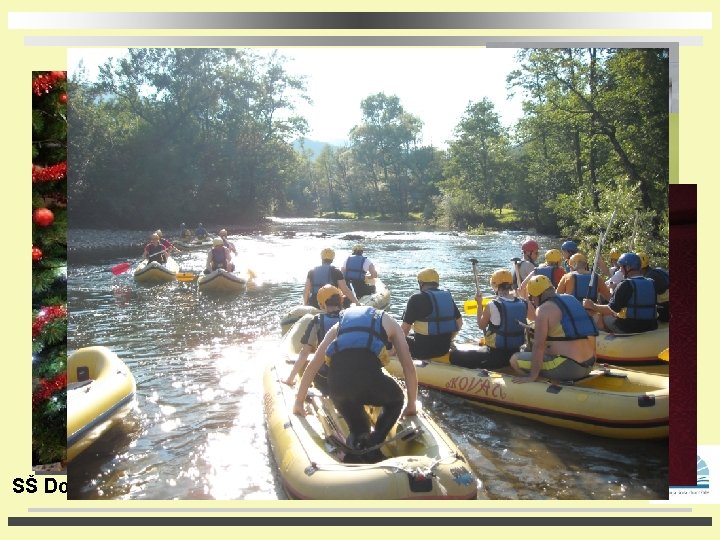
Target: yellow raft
[
  {"x": 221, "y": 281},
  {"x": 154, "y": 272},
  {"x": 615, "y": 403},
  {"x": 380, "y": 299},
  {"x": 422, "y": 462},
  {"x": 635, "y": 351},
  {"x": 100, "y": 386}
]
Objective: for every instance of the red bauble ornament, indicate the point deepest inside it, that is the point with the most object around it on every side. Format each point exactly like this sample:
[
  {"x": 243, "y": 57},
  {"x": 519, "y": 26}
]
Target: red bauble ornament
[
  {"x": 43, "y": 217},
  {"x": 62, "y": 98},
  {"x": 36, "y": 253}
]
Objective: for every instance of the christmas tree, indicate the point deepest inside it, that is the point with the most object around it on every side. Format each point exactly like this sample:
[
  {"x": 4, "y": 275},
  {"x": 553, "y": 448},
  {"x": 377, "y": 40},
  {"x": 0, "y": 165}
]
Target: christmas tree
[{"x": 49, "y": 266}]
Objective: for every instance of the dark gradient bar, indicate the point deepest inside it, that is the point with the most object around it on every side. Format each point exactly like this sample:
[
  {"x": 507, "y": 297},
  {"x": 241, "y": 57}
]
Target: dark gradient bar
[
  {"x": 360, "y": 521},
  {"x": 359, "y": 20},
  {"x": 682, "y": 199}
]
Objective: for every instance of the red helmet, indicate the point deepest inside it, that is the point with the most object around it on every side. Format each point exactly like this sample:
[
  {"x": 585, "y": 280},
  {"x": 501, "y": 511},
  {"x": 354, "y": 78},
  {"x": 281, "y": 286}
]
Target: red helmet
[{"x": 529, "y": 246}]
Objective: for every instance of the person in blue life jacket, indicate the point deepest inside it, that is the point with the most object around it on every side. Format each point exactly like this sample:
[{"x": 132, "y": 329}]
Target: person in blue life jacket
[
  {"x": 500, "y": 322},
  {"x": 567, "y": 250},
  {"x": 154, "y": 250},
  {"x": 551, "y": 269},
  {"x": 219, "y": 257},
  {"x": 355, "y": 350},
  {"x": 432, "y": 315},
  {"x": 577, "y": 281},
  {"x": 326, "y": 274},
  {"x": 522, "y": 268},
  {"x": 661, "y": 278},
  {"x": 356, "y": 268},
  {"x": 632, "y": 306},
  {"x": 564, "y": 337},
  {"x": 201, "y": 232},
  {"x": 330, "y": 299}
]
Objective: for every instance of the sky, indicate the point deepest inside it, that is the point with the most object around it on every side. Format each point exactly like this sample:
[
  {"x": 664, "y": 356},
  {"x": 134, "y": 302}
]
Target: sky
[{"x": 433, "y": 83}]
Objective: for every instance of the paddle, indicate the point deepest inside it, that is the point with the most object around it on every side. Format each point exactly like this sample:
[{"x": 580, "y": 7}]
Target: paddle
[
  {"x": 601, "y": 241},
  {"x": 470, "y": 307},
  {"x": 124, "y": 266},
  {"x": 665, "y": 355}
]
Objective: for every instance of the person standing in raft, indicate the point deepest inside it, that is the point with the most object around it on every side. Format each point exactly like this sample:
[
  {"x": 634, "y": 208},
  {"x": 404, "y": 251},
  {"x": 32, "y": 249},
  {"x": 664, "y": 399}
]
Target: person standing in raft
[
  {"x": 577, "y": 282},
  {"x": 330, "y": 299},
  {"x": 356, "y": 268},
  {"x": 433, "y": 316},
  {"x": 219, "y": 257},
  {"x": 500, "y": 324},
  {"x": 325, "y": 274},
  {"x": 564, "y": 338},
  {"x": 523, "y": 267},
  {"x": 154, "y": 251},
  {"x": 356, "y": 349},
  {"x": 632, "y": 306}
]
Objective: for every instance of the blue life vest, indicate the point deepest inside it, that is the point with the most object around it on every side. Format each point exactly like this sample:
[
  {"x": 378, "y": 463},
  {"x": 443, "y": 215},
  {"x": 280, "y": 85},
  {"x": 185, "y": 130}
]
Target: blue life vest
[
  {"x": 575, "y": 322},
  {"x": 325, "y": 322},
  {"x": 549, "y": 272},
  {"x": 360, "y": 328},
  {"x": 218, "y": 256},
  {"x": 642, "y": 303},
  {"x": 508, "y": 334},
  {"x": 320, "y": 277},
  {"x": 354, "y": 268},
  {"x": 582, "y": 283},
  {"x": 441, "y": 319}
]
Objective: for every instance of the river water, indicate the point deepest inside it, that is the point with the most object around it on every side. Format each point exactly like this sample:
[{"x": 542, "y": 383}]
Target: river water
[{"x": 196, "y": 430}]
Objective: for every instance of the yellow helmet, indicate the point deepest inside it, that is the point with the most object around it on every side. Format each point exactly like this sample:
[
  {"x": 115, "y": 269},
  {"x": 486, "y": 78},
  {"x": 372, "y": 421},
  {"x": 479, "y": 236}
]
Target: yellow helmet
[
  {"x": 553, "y": 256},
  {"x": 158, "y": 232},
  {"x": 575, "y": 259},
  {"x": 326, "y": 292},
  {"x": 217, "y": 242},
  {"x": 644, "y": 259},
  {"x": 428, "y": 275},
  {"x": 155, "y": 236},
  {"x": 327, "y": 254},
  {"x": 222, "y": 232},
  {"x": 615, "y": 254},
  {"x": 538, "y": 285},
  {"x": 499, "y": 277},
  {"x": 358, "y": 248}
]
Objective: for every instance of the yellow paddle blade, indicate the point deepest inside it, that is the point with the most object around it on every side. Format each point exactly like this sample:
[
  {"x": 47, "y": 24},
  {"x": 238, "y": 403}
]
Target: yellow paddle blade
[
  {"x": 665, "y": 355},
  {"x": 186, "y": 276},
  {"x": 470, "y": 306}
]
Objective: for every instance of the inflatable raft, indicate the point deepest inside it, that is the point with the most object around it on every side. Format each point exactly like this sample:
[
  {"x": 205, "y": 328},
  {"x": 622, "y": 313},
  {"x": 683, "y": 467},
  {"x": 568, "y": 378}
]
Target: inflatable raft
[
  {"x": 194, "y": 243},
  {"x": 421, "y": 461},
  {"x": 154, "y": 272},
  {"x": 221, "y": 281},
  {"x": 617, "y": 403},
  {"x": 635, "y": 351},
  {"x": 380, "y": 299},
  {"x": 100, "y": 386}
]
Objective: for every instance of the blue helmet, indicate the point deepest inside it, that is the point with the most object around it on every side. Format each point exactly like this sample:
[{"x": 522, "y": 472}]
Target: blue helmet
[
  {"x": 629, "y": 260},
  {"x": 569, "y": 246}
]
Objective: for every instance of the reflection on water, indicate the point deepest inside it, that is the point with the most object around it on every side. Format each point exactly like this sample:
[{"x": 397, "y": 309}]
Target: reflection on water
[{"x": 197, "y": 430}]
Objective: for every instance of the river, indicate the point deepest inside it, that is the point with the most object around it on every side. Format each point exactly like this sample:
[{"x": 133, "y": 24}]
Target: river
[{"x": 196, "y": 430}]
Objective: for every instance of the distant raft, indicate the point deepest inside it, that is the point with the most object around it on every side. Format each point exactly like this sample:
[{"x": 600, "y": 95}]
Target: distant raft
[
  {"x": 154, "y": 272},
  {"x": 100, "y": 386},
  {"x": 616, "y": 403},
  {"x": 421, "y": 461},
  {"x": 380, "y": 299},
  {"x": 221, "y": 281}
]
